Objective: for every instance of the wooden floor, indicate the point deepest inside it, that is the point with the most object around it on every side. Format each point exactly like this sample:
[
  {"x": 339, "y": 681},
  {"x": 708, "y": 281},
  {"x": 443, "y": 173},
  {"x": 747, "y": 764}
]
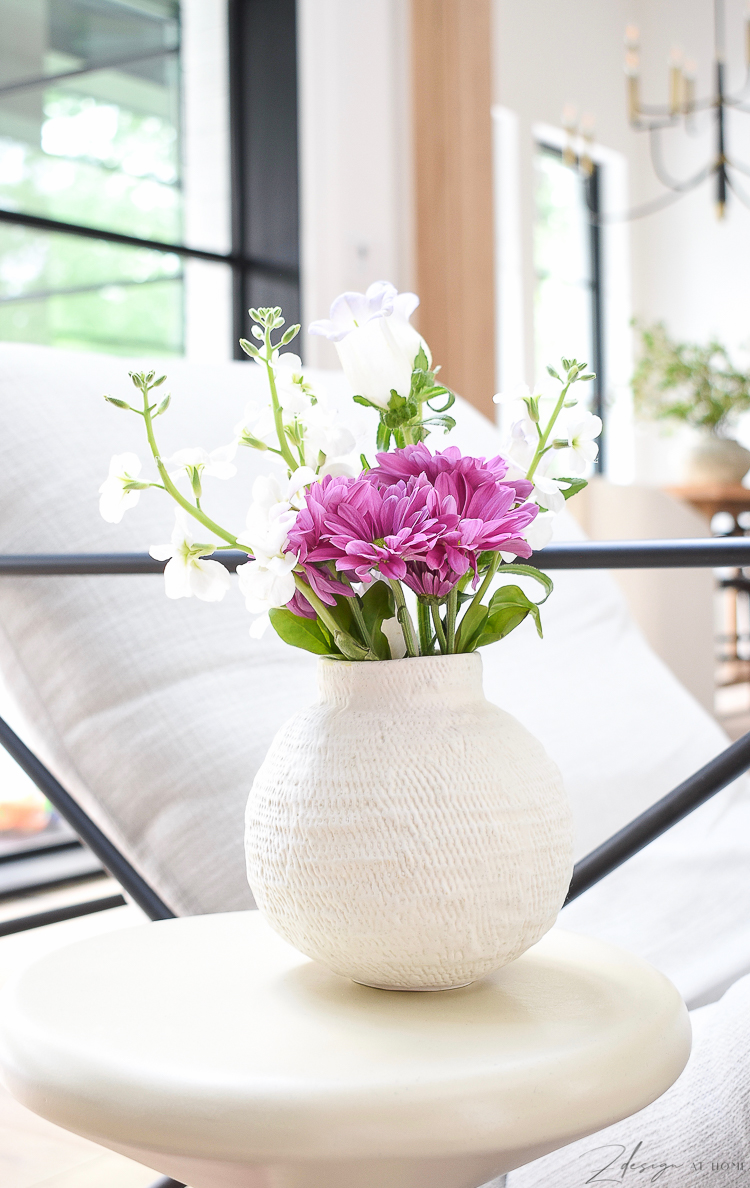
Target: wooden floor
[{"x": 34, "y": 1153}]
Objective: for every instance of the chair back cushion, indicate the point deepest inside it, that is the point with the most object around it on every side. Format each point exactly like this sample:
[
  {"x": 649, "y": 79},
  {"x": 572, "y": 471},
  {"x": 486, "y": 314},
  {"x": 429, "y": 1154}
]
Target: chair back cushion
[{"x": 156, "y": 713}]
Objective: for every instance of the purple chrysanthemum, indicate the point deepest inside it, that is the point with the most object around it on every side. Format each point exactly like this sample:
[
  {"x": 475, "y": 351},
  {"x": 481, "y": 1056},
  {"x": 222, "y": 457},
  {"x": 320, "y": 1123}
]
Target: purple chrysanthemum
[
  {"x": 418, "y": 518},
  {"x": 412, "y": 460},
  {"x": 308, "y": 538},
  {"x": 381, "y": 528}
]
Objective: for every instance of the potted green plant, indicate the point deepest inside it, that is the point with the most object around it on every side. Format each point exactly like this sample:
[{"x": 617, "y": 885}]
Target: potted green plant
[{"x": 699, "y": 386}]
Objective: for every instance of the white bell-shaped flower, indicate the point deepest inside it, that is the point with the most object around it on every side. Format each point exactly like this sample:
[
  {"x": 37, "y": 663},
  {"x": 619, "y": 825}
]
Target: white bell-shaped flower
[{"x": 377, "y": 349}]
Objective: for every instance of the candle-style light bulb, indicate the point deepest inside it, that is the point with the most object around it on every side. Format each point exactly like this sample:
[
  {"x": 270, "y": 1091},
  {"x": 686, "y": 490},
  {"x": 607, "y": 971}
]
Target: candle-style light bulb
[
  {"x": 688, "y": 76},
  {"x": 632, "y": 70},
  {"x": 570, "y": 124},
  {"x": 675, "y": 80},
  {"x": 587, "y": 132},
  {"x": 633, "y": 36}
]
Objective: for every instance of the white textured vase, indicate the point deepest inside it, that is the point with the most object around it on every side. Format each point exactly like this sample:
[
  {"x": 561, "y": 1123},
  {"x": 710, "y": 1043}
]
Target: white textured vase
[
  {"x": 404, "y": 831},
  {"x": 716, "y": 460}
]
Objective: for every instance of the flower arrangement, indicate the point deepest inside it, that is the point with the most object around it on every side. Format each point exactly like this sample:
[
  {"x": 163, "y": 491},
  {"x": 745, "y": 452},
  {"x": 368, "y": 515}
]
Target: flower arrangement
[
  {"x": 381, "y": 560},
  {"x": 688, "y": 382}
]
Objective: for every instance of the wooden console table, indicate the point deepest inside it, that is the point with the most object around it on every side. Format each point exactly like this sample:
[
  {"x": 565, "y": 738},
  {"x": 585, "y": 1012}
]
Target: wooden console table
[{"x": 712, "y": 498}]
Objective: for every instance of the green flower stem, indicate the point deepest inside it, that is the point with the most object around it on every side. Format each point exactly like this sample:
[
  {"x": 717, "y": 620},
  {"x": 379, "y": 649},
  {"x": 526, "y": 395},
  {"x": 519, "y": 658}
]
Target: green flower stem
[
  {"x": 544, "y": 437},
  {"x": 435, "y": 609},
  {"x": 425, "y": 631},
  {"x": 169, "y": 486},
  {"x": 345, "y": 642},
  {"x": 487, "y": 579},
  {"x": 451, "y": 612},
  {"x": 359, "y": 619},
  {"x": 278, "y": 418},
  {"x": 404, "y": 618}
]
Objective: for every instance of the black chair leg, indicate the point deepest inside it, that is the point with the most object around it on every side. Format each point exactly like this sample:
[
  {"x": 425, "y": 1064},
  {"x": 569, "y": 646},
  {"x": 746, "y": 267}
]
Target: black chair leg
[{"x": 168, "y": 1182}]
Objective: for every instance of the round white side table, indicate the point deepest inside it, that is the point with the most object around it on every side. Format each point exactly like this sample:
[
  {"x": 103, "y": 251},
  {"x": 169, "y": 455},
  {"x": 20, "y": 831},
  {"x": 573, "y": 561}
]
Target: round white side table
[{"x": 209, "y": 1049}]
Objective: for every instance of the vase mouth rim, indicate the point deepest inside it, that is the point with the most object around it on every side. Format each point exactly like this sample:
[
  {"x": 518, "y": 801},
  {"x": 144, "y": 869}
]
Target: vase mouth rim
[{"x": 335, "y": 662}]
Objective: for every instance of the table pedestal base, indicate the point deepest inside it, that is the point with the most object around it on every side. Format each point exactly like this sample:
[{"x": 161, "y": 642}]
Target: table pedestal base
[{"x": 460, "y": 1171}]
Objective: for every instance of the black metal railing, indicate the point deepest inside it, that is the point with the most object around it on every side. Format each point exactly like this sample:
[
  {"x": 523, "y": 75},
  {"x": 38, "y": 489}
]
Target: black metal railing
[
  {"x": 591, "y": 554},
  {"x": 641, "y": 554}
]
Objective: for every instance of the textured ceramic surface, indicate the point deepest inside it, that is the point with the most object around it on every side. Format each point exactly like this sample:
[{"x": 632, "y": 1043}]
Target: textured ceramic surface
[
  {"x": 210, "y": 1050},
  {"x": 404, "y": 831},
  {"x": 717, "y": 460}
]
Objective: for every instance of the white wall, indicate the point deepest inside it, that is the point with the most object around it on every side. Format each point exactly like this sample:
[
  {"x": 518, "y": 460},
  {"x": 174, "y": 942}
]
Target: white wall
[
  {"x": 687, "y": 269},
  {"x": 355, "y": 153}
]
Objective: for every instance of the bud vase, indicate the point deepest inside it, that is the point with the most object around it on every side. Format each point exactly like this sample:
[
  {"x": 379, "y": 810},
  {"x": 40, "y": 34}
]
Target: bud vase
[{"x": 405, "y": 832}]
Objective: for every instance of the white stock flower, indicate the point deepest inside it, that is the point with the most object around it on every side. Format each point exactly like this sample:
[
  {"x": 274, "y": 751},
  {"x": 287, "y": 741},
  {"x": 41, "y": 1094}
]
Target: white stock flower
[
  {"x": 548, "y": 492},
  {"x": 519, "y": 392},
  {"x": 187, "y": 573},
  {"x": 523, "y": 442},
  {"x": 272, "y": 513},
  {"x": 265, "y": 586},
  {"x": 217, "y": 464},
  {"x": 257, "y": 422},
  {"x": 324, "y": 433},
  {"x": 582, "y": 447},
  {"x": 291, "y": 388},
  {"x": 116, "y": 496},
  {"x": 267, "y": 580},
  {"x": 337, "y": 470},
  {"x": 539, "y": 531},
  {"x": 259, "y": 626},
  {"x": 375, "y": 341}
]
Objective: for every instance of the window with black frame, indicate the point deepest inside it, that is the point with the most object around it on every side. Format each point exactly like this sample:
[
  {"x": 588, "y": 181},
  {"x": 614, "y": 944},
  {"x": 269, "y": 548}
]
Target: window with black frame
[
  {"x": 124, "y": 123},
  {"x": 131, "y": 124},
  {"x": 90, "y": 133},
  {"x": 567, "y": 266}
]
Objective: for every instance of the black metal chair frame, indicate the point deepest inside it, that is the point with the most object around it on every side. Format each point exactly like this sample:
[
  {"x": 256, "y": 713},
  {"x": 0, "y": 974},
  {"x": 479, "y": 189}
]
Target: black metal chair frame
[{"x": 677, "y": 804}]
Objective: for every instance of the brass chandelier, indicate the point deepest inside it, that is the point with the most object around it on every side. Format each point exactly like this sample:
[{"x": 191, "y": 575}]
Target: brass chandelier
[{"x": 681, "y": 109}]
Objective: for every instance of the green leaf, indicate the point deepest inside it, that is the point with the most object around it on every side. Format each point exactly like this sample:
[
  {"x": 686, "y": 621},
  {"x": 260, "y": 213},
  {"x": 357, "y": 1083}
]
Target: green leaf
[
  {"x": 508, "y": 608},
  {"x": 365, "y": 463},
  {"x": 299, "y": 632},
  {"x": 421, "y": 362},
  {"x": 470, "y": 626},
  {"x": 576, "y": 485},
  {"x": 446, "y": 423},
  {"x": 526, "y": 571},
  {"x": 378, "y": 603},
  {"x": 433, "y": 394},
  {"x": 383, "y": 436},
  {"x": 367, "y": 403}
]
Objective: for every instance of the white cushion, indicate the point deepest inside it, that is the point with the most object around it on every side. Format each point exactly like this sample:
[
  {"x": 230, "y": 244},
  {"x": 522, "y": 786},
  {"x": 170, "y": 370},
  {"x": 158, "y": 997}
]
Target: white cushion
[
  {"x": 157, "y": 713},
  {"x": 698, "y": 1133}
]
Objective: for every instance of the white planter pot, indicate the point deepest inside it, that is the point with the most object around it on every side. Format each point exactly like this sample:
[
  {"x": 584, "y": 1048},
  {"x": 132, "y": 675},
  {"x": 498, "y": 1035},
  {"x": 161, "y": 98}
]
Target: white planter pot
[
  {"x": 717, "y": 460},
  {"x": 405, "y": 832}
]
